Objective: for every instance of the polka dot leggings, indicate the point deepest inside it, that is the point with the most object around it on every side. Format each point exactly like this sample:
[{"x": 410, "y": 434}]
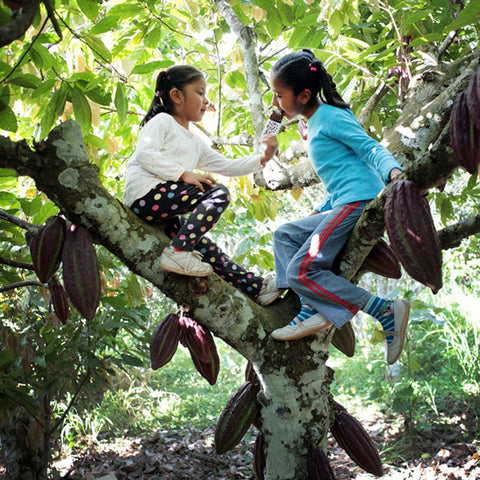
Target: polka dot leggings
[{"x": 168, "y": 202}]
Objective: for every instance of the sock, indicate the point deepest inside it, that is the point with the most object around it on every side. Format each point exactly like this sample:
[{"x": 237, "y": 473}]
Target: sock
[
  {"x": 305, "y": 313},
  {"x": 380, "y": 309}
]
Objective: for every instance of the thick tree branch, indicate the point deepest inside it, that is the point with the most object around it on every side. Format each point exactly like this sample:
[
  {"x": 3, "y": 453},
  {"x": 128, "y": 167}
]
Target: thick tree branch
[{"x": 17, "y": 27}]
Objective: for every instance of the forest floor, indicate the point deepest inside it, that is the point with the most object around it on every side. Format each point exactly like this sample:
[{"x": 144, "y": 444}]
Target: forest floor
[{"x": 449, "y": 452}]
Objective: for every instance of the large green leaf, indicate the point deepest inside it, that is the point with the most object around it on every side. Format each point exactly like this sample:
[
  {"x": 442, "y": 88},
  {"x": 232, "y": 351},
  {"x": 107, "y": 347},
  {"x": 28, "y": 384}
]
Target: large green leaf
[{"x": 81, "y": 108}]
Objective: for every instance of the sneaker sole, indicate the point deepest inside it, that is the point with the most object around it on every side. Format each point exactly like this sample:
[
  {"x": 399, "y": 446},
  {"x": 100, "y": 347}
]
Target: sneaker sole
[
  {"x": 403, "y": 333},
  {"x": 182, "y": 272},
  {"x": 305, "y": 332}
]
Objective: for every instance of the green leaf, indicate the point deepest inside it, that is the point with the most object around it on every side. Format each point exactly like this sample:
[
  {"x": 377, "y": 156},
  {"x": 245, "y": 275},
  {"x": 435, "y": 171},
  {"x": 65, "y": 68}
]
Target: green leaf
[
  {"x": 468, "y": 16},
  {"x": 8, "y": 120},
  {"x": 54, "y": 109},
  {"x": 31, "y": 207},
  {"x": 27, "y": 80},
  {"x": 98, "y": 47},
  {"x": 43, "y": 89},
  {"x": 89, "y": 8},
  {"x": 151, "y": 67},
  {"x": 81, "y": 108},
  {"x": 121, "y": 102},
  {"x": 47, "y": 209},
  {"x": 131, "y": 360},
  {"x": 106, "y": 24}
]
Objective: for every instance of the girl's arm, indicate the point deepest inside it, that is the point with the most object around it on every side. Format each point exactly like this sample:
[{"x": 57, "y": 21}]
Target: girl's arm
[{"x": 346, "y": 128}]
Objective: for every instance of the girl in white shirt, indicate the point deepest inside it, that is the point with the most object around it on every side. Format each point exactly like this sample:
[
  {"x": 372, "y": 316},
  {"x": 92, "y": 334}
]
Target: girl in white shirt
[{"x": 162, "y": 185}]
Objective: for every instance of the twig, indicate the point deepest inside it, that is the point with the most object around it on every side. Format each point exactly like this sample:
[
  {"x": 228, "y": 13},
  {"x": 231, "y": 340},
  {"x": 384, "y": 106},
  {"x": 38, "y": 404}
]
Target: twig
[
  {"x": 16, "y": 221},
  {"x": 15, "y": 263},
  {"x": 24, "y": 283},
  {"x": 70, "y": 405}
]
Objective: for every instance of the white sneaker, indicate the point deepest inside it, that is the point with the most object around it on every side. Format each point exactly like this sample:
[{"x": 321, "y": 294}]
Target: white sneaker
[
  {"x": 269, "y": 291},
  {"x": 298, "y": 329},
  {"x": 185, "y": 263},
  {"x": 401, "y": 312}
]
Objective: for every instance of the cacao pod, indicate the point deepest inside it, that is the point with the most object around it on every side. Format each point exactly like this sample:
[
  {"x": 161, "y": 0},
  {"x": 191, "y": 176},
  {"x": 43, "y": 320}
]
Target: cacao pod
[
  {"x": 236, "y": 417},
  {"x": 354, "y": 439},
  {"x": 412, "y": 233},
  {"x": 59, "y": 301},
  {"x": 382, "y": 261},
  {"x": 259, "y": 462},
  {"x": 46, "y": 247},
  {"x": 208, "y": 370},
  {"x": 464, "y": 135},
  {"x": 164, "y": 341},
  {"x": 473, "y": 98},
  {"x": 203, "y": 349},
  {"x": 197, "y": 338},
  {"x": 81, "y": 273},
  {"x": 343, "y": 339},
  {"x": 250, "y": 375},
  {"x": 318, "y": 466}
]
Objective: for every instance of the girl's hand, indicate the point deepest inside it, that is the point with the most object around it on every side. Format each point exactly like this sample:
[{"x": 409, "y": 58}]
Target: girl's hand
[
  {"x": 271, "y": 148},
  {"x": 394, "y": 172},
  {"x": 198, "y": 179}
]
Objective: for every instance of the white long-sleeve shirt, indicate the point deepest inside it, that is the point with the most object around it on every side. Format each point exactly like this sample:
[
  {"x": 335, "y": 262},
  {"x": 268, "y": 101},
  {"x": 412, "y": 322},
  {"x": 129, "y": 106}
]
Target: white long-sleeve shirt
[{"x": 165, "y": 150}]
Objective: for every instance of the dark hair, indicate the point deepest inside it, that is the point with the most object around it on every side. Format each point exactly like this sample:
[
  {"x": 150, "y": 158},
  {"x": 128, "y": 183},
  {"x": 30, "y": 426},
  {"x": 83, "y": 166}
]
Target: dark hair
[
  {"x": 301, "y": 70},
  {"x": 174, "y": 77}
]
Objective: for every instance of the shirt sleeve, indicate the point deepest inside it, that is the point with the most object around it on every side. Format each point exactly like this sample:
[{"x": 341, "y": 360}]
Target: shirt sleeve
[
  {"x": 215, "y": 162},
  {"x": 346, "y": 128},
  {"x": 148, "y": 152}
]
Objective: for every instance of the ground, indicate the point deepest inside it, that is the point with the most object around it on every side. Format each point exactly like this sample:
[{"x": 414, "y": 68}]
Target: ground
[{"x": 436, "y": 454}]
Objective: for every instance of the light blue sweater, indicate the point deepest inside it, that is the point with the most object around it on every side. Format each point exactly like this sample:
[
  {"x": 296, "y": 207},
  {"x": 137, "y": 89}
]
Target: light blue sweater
[{"x": 352, "y": 165}]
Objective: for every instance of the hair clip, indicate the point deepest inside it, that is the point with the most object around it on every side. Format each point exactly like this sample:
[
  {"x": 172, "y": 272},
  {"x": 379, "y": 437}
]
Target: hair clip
[
  {"x": 157, "y": 93},
  {"x": 312, "y": 68}
]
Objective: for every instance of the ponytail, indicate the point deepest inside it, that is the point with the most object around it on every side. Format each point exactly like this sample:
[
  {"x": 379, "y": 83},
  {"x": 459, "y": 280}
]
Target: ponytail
[
  {"x": 174, "y": 77},
  {"x": 301, "y": 70}
]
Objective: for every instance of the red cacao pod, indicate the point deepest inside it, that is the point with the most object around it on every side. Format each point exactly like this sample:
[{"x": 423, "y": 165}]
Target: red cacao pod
[
  {"x": 208, "y": 370},
  {"x": 355, "y": 440},
  {"x": 164, "y": 341},
  {"x": 473, "y": 98},
  {"x": 343, "y": 339},
  {"x": 412, "y": 233},
  {"x": 259, "y": 461},
  {"x": 46, "y": 247},
  {"x": 81, "y": 273},
  {"x": 318, "y": 466},
  {"x": 59, "y": 301},
  {"x": 464, "y": 135},
  {"x": 197, "y": 338},
  {"x": 236, "y": 417},
  {"x": 382, "y": 261}
]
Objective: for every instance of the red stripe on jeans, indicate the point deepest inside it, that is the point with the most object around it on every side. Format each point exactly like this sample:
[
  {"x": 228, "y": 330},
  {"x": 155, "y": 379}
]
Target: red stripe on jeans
[{"x": 315, "y": 287}]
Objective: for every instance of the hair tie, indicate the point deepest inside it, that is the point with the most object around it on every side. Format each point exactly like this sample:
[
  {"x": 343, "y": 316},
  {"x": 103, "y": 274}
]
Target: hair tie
[
  {"x": 312, "y": 68},
  {"x": 157, "y": 93}
]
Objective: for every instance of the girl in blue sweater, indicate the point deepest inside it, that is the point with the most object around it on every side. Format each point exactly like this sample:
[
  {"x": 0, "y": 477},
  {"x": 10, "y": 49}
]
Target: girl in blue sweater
[{"x": 354, "y": 168}]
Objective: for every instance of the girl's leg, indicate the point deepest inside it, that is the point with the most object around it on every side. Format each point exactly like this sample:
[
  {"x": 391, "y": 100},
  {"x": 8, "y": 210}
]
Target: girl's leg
[{"x": 336, "y": 299}]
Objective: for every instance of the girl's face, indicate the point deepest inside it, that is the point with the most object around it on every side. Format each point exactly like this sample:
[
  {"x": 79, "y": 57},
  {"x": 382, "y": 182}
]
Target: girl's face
[
  {"x": 284, "y": 99},
  {"x": 192, "y": 102}
]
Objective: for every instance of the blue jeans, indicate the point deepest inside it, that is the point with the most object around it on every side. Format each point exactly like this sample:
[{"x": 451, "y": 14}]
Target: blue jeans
[{"x": 305, "y": 251}]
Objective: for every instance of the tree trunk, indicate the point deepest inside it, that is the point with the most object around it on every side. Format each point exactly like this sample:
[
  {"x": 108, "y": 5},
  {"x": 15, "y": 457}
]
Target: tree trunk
[{"x": 25, "y": 447}]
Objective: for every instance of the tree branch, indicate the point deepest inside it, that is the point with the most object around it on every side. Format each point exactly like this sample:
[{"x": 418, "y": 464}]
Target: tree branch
[
  {"x": 15, "y": 263},
  {"x": 25, "y": 283},
  {"x": 20, "y": 23}
]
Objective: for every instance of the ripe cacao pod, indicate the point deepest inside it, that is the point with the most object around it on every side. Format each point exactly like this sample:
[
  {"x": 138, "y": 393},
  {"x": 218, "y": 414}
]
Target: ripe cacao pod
[
  {"x": 201, "y": 345},
  {"x": 59, "y": 301},
  {"x": 81, "y": 273},
  {"x": 412, "y": 233},
  {"x": 236, "y": 417},
  {"x": 343, "y": 339},
  {"x": 473, "y": 98},
  {"x": 197, "y": 338},
  {"x": 46, "y": 247},
  {"x": 354, "y": 439},
  {"x": 464, "y": 135},
  {"x": 318, "y": 466},
  {"x": 259, "y": 461},
  {"x": 382, "y": 261},
  {"x": 164, "y": 341}
]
